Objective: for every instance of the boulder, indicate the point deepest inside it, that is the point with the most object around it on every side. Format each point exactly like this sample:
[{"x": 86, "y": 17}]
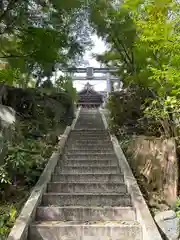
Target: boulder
[
  {"x": 7, "y": 121},
  {"x": 155, "y": 163},
  {"x": 169, "y": 224}
]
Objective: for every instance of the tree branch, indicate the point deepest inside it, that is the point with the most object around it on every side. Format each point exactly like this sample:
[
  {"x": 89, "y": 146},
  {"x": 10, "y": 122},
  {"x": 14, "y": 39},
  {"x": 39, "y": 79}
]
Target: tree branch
[
  {"x": 120, "y": 51},
  {"x": 125, "y": 51},
  {"x": 121, "y": 48},
  {"x": 15, "y": 56}
]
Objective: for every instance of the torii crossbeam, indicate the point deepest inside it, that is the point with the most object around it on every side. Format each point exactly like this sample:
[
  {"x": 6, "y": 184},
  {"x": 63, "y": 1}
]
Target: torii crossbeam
[{"x": 90, "y": 71}]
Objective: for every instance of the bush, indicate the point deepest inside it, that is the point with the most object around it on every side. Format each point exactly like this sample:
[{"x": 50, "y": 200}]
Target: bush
[
  {"x": 7, "y": 221},
  {"x": 41, "y": 117},
  {"x": 125, "y": 110},
  {"x": 24, "y": 163}
]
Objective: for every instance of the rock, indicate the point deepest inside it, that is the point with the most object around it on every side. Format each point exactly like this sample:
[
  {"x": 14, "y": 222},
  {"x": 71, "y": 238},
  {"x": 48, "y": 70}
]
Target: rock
[
  {"x": 7, "y": 120},
  {"x": 166, "y": 215},
  {"x": 169, "y": 224}
]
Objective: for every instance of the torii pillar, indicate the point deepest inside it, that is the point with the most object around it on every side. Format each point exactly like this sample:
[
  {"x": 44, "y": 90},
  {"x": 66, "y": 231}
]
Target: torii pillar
[{"x": 109, "y": 83}]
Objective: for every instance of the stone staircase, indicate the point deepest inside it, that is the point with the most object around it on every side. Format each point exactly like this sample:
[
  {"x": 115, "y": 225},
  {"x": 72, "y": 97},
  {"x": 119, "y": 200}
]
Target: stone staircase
[{"x": 87, "y": 198}]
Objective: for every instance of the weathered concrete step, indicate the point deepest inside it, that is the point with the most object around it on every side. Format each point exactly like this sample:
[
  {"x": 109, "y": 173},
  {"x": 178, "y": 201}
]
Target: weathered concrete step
[
  {"x": 85, "y": 137},
  {"x": 86, "y": 199},
  {"x": 89, "y": 124},
  {"x": 86, "y": 121},
  {"x": 73, "y": 213},
  {"x": 89, "y": 145},
  {"x": 92, "y": 127},
  {"x": 89, "y": 116},
  {"x": 86, "y": 177},
  {"x": 109, "y": 230},
  {"x": 89, "y": 148},
  {"x": 84, "y": 163},
  {"x": 89, "y": 142},
  {"x": 90, "y": 131},
  {"x": 87, "y": 169},
  {"x": 92, "y": 124},
  {"x": 95, "y": 120},
  {"x": 90, "y": 151},
  {"x": 86, "y": 187},
  {"x": 89, "y": 119},
  {"x": 103, "y": 156},
  {"x": 89, "y": 134}
]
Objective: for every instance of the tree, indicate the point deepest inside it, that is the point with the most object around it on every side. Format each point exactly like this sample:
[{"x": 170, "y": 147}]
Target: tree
[
  {"x": 114, "y": 24},
  {"x": 143, "y": 40},
  {"x": 66, "y": 83},
  {"x": 36, "y": 35}
]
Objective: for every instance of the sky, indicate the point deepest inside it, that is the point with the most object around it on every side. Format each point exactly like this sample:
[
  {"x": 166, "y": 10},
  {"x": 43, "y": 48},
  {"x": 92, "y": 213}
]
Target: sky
[{"x": 99, "y": 47}]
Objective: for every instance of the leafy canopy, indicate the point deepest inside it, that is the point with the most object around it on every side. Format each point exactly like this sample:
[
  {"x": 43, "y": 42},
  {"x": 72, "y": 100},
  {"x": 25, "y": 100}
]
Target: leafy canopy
[{"x": 36, "y": 36}]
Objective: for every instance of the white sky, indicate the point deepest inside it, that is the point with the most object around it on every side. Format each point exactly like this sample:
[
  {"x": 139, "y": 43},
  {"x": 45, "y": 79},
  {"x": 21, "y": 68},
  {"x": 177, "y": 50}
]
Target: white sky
[{"x": 99, "y": 47}]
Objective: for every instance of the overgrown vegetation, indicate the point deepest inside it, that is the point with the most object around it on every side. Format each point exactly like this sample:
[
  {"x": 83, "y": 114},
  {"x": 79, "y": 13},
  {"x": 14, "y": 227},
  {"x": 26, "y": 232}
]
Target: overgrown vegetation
[
  {"x": 42, "y": 115},
  {"x": 23, "y": 165},
  {"x": 143, "y": 40},
  {"x": 37, "y": 39}
]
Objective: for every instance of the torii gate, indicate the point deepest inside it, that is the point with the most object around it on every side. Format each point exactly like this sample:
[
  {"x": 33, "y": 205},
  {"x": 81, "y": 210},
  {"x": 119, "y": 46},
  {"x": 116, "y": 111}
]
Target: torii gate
[{"x": 90, "y": 71}]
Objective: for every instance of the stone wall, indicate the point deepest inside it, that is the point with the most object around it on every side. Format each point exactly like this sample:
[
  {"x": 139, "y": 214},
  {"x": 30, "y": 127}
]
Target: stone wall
[{"x": 155, "y": 163}]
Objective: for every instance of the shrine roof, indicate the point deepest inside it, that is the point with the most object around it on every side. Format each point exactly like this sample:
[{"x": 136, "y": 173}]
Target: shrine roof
[{"x": 89, "y": 92}]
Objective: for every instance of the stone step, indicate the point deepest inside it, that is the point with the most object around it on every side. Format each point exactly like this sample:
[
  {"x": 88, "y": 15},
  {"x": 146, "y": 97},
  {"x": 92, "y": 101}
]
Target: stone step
[
  {"x": 89, "y": 142},
  {"x": 79, "y": 170},
  {"x": 88, "y": 118},
  {"x": 86, "y": 187},
  {"x": 93, "y": 163},
  {"x": 96, "y": 120},
  {"x": 93, "y": 145},
  {"x": 89, "y": 137},
  {"x": 92, "y": 156},
  {"x": 86, "y": 177},
  {"x": 95, "y": 135},
  {"x": 86, "y": 199},
  {"x": 92, "y": 139},
  {"x": 104, "y": 230},
  {"x": 89, "y": 151},
  {"x": 90, "y": 121},
  {"x": 89, "y": 124},
  {"x": 85, "y": 147},
  {"x": 92, "y": 127},
  {"x": 86, "y": 121},
  {"x": 90, "y": 131},
  {"x": 74, "y": 213},
  {"x": 89, "y": 134}
]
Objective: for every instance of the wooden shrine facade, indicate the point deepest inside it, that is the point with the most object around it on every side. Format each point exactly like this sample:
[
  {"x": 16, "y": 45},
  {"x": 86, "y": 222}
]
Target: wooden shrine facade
[{"x": 89, "y": 98}]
